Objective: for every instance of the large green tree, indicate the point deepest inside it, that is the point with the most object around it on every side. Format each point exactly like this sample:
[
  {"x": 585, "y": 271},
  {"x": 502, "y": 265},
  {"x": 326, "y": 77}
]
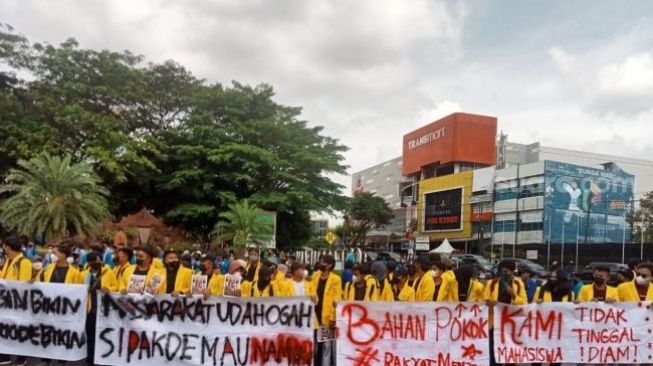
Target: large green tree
[
  {"x": 244, "y": 225},
  {"x": 364, "y": 212},
  {"x": 53, "y": 197},
  {"x": 642, "y": 219},
  {"x": 160, "y": 137}
]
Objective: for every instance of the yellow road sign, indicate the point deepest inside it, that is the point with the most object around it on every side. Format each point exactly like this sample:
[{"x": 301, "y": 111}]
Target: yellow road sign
[{"x": 330, "y": 237}]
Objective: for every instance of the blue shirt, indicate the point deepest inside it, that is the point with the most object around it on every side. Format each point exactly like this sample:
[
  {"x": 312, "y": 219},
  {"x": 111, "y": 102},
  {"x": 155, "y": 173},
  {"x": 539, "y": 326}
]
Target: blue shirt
[
  {"x": 531, "y": 287},
  {"x": 347, "y": 276},
  {"x": 577, "y": 288},
  {"x": 30, "y": 252},
  {"x": 107, "y": 258}
]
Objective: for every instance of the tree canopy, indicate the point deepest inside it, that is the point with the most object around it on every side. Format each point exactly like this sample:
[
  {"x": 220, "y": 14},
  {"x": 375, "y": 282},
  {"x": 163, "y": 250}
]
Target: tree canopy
[
  {"x": 161, "y": 138},
  {"x": 364, "y": 212}
]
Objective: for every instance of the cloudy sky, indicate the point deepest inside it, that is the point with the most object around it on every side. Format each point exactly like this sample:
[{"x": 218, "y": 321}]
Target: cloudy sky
[{"x": 572, "y": 74}]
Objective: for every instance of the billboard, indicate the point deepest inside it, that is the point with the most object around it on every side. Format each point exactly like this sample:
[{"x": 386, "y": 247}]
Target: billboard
[
  {"x": 443, "y": 210},
  {"x": 586, "y": 205},
  {"x": 459, "y": 137}
]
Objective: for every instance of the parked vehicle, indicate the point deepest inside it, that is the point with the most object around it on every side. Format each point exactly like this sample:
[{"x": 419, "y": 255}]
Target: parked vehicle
[
  {"x": 587, "y": 276},
  {"x": 536, "y": 268}
]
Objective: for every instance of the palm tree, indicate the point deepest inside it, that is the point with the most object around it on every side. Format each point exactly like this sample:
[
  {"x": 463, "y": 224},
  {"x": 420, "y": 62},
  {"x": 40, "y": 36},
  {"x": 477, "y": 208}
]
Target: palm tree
[
  {"x": 244, "y": 225},
  {"x": 53, "y": 197}
]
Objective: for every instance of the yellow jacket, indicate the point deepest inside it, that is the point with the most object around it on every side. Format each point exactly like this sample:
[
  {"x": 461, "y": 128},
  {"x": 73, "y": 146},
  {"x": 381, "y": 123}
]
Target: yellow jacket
[
  {"x": 246, "y": 289},
  {"x": 492, "y": 291},
  {"x": 274, "y": 289},
  {"x": 158, "y": 263},
  {"x": 72, "y": 276},
  {"x": 407, "y": 293},
  {"x": 586, "y": 293},
  {"x": 258, "y": 269},
  {"x": 627, "y": 292},
  {"x": 18, "y": 269},
  {"x": 216, "y": 285},
  {"x": 545, "y": 296},
  {"x": 107, "y": 281},
  {"x": 448, "y": 288},
  {"x": 119, "y": 271},
  {"x": 184, "y": 280},
  {"x": 424, "y": 288},
  {"x": 474, "y": 292},
  {"x": 127, "y": 275},
  {"x": 332, "y": 294},
  {"x": 350, "y": 292},
  {"x": 308, "y": 288}
]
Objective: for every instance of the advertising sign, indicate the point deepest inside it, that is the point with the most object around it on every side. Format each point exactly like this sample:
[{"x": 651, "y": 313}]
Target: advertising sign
[
  {"x": 584, "y": 202},
  {"x": 443, "y": 210}
]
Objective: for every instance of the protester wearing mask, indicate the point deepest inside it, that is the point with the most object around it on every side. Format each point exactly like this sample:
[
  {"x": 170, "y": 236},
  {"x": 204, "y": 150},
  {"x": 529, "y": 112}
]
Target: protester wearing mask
[
  {"x": 123, "y": 261},
  {"x": 265, "y": 286},
  {"x": 383, "y": 288},
  {"x": 468, "y": 289},
  {"x": 444, "y": 290},
  {"x": 30, "y": 251},
  {"x": 98, "y": 276},
  {"x": 37, "y": 268},
  {"x": 599, "y": 290},
  {"x": 145, "y": 267},
  {"x": 328, "y": 291},
  {"x": 253, "y": 266},
  {"x": 61, "y": 270},
  {"x": 299, "y": 286},
  {"x": 506, "y": 289},
  {"x": 641, "y": 289},
  {"x": 400, "y": 289},
  {"x": 358, "y": 289},
  {"x": 424, "y": 285},
  {"x": 178, "y": 279},
  {"x": 556, "y": 289},
  {"x": 15, "y": 268}
]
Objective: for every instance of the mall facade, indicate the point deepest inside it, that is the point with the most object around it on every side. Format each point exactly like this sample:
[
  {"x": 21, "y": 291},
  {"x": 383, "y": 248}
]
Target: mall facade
[{"x": 458, "y": 179}]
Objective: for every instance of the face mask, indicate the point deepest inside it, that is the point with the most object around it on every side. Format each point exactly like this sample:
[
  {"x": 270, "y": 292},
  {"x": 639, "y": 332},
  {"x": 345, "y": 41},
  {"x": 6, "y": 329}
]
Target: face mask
[
  {"x": 642, "y": 281},
  {"x": 70, "y": 260},
  {"x": 253, "y": 258},
  {"x": 140, "y": 262},
  {"x": 599, "y": 281},
  {"x": 173, "y": 265},
  {"x": 305, "y": 273},
  {"x": 53, "y": 258},
  {"x": 96, "y": 266},
  {"x": 37, "y": 266}
]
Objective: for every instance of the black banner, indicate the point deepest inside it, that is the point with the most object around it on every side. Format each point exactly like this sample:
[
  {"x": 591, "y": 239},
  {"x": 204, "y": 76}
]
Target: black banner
[{"x": 443, "y": 210}]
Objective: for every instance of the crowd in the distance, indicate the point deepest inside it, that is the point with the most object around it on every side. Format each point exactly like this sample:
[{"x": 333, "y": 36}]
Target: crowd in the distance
[{"x": 114, "y": 266}]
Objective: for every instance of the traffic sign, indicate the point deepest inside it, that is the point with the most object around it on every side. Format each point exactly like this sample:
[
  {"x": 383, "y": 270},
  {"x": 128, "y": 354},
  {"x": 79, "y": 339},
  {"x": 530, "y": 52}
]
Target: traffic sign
[{"x": 330, "y": 237}]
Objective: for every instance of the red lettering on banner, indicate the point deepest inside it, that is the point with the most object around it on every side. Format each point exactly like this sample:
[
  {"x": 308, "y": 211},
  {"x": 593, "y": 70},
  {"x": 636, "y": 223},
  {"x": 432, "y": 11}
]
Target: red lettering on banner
[
  {"x": 625, "y": 335},
  {"x": 612, "y": 354},
  {"x": 365, "y": 357},
  {"x": 601, "y": 316},
  {"x": 291, "y": 349},
  {"x": 362, "y": 322},
  {"x": 533, "y": 323},
  {"x": 458, "y": 329},
  {"x": 413, "y": 327}
]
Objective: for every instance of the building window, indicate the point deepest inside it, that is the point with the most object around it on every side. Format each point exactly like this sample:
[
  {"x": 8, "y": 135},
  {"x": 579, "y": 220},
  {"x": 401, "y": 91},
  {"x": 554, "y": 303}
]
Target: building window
[
  {"x": 531, "y": 226},
  {"x": 532, "y": 190},
  {"x": 504, "y": 226},
  {"x": 503, "y": 194}
]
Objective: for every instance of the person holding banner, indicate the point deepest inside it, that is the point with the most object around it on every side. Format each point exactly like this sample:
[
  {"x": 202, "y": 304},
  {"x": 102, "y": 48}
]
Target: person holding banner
[
  {"x": 123, "y": 258},
  {"x": 143, "y": 277},
  {"x": 401, "y": 290},
  {"x": 178, "y": 278},
  {"x": 97, "y": 277},
  {"x": 641, "y": 289},
  {"x": 599, "y": 290},
  {"x": 15, "y": 268},
  {"x": 233, "y": 283},
  {"x": 506, "y": 289},
  {"x": 424, "y": 284},
  {"x": 253, "y": 267},
  {"x": 556, "y": 289},
  {"x": 328, "y": 292},
  {"x": 61, "y": 271}
]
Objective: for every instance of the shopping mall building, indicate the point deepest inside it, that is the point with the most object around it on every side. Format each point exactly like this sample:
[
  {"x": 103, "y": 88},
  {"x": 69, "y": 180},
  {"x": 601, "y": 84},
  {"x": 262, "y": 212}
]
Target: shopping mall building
[{"x": 457, "y": 179}]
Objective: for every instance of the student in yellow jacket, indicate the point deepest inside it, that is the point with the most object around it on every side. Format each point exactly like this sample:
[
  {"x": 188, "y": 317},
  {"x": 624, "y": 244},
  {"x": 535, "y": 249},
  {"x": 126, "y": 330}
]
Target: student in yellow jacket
[
  {"x": 154, "y": 278},
  {"x": 448, "y": 291},
  {"x": 253, "y": 266},
  {"x": 641, "y": 289},
  {"x": 383, "y": 289},
  {"x": 178, "y": 279},
  {"x": 266, "y": 286},
  {"x": 61, "y": 271},
  {"x": 328, "y": 291},
  {"x": 424, "y": 285},
  {"x": 599, "y": 290},
  {"x": 123, "y": 258},
  {"x": 15, "y": 268},
  {"x": 363, "y": 286},
  {"x": 467, "y": 287},
  {"x": 401, "y": 290},
  {"x": 298, "y": 286},
  {"x": 507, "y": 288},
  {"x": 556, "y": 289}
]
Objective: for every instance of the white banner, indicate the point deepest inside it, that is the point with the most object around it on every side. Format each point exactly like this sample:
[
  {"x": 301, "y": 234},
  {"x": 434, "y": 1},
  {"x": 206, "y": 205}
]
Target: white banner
[
  {"x": 568, "y": 333},
  {"x": 43, "y": 319},
  {"x": 161, "y": 330},
  {"x": 381, "y": 333}
]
